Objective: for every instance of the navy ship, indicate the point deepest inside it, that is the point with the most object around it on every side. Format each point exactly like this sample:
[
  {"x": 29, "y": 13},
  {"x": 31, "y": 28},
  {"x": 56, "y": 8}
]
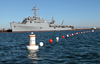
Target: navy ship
[{"x": 38, "y": 24}]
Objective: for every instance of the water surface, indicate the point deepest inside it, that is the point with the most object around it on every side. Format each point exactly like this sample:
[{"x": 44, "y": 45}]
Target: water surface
[{"x": 78, "y": 49}]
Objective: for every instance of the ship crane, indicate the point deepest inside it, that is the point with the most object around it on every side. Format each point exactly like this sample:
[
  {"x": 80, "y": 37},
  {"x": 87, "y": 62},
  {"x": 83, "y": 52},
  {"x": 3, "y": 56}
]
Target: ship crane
[{"x": 62, "y": 23}]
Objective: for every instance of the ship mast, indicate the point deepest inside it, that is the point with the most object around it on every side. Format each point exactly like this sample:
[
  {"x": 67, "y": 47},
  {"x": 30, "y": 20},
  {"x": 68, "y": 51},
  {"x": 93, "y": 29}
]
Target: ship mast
[{"x": 34, "y": 8}]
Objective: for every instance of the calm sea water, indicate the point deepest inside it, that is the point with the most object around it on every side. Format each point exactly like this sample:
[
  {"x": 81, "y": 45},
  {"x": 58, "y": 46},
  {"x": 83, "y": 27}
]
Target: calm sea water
[{"x": 79, "y": 49}]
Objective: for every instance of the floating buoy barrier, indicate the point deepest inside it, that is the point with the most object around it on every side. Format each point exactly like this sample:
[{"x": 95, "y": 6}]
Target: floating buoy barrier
[
  {"x": 67, "y": 35},
  {"x": 41, "y": 43},
  {"x": 50, "y": 40},
  {"x": 57, "y": 38},
  {"x": 63, "y": 36},
  {"x": 32, "y": 42},
  {"x": 32, "y": 45}
]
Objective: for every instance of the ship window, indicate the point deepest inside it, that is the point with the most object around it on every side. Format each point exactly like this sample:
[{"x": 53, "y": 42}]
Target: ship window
[
  {"x": 40, "y": 27},
  {"x": 54, "y": 27},
  {"x": 30, "y": 21},
  {"x": 15, "y": 26}
]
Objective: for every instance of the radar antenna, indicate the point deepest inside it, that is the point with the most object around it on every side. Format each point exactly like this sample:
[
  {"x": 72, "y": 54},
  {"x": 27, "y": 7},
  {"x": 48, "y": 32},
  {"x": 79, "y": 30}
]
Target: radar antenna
[{"x": 34, "y": 8}]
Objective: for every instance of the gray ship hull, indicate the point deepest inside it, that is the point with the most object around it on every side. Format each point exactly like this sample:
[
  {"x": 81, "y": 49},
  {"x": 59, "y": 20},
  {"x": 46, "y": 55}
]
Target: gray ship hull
[{"x": 36, "y": 27}]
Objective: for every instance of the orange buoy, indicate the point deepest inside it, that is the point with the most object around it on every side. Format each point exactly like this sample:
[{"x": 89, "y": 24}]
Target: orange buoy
[
  {"x": 69, "y": 34},
  {"x": 78, "y": 32},
  {"x": 74, "y": 33},
  {"x": 63, "y": 36},
  {"x": 50, "y": 40}
]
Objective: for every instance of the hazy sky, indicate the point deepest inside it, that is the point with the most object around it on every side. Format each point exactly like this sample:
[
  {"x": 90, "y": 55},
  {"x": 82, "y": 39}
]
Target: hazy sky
[{"x": 79, "y": 13}]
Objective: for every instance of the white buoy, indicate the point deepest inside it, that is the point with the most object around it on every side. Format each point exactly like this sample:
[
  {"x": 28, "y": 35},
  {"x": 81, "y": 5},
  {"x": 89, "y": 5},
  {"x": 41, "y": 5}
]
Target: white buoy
[
  {"x": 81, "y": 32},
  {"x": 72, "y": 34},
  {"x": 57, "y": 38},
  {"x": 32, "y": 45},
  {"x": 92, "y": 30},
  {"x": 41, "y": 43},
  {"x": 76, "y": 32},
  {"x": 67, "y": 35}
]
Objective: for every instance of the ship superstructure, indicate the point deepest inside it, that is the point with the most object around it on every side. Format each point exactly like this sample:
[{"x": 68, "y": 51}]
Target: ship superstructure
[{"x": 38, "y": 24}]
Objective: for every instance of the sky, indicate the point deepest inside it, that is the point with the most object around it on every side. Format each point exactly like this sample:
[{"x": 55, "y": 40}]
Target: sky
[{"x": 77, "y": 13}]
